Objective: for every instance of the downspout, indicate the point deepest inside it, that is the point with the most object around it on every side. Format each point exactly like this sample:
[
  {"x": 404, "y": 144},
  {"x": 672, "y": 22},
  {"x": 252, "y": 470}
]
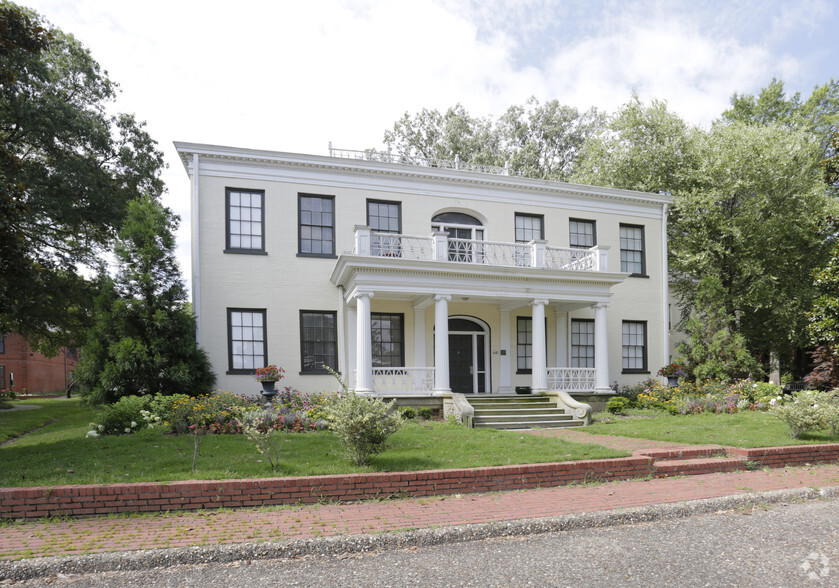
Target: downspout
[
  {"x": 665, "y": 286},
  {"x": 196, "y": 259}
]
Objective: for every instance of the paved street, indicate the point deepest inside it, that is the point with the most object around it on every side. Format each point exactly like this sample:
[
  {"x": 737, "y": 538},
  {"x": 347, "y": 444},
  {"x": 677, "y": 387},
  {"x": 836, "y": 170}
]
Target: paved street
[{"x": 781, "y": 545}]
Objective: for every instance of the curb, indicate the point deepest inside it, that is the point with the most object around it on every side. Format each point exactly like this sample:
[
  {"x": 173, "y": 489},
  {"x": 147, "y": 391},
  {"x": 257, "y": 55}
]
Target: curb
[{"x": 149, "y": 559}]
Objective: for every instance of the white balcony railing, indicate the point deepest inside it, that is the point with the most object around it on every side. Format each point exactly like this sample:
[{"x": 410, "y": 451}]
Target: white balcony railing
[
  {"x": 441, "y": 247},
  {"x": 571, "y": 379},
  {"x": 403, "y": 380}
]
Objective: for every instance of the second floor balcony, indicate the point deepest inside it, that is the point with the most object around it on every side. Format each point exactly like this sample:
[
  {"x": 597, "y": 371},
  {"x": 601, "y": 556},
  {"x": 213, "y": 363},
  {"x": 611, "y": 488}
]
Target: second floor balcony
[{"x": 440, "y": 246}]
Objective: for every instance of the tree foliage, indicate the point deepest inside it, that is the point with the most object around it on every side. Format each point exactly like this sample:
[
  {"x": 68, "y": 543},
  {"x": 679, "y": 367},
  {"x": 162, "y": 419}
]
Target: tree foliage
[
  {"x": 143, "y": 341},
  {"x": 535, "y": 140},
  {"x": 67, "y": 172}
]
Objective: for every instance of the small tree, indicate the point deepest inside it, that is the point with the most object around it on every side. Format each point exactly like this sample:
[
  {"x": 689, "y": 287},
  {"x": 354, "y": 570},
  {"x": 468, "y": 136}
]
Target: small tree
[
  {"x": 362, "y": 424},
  {"x": 144, "y": 338}
]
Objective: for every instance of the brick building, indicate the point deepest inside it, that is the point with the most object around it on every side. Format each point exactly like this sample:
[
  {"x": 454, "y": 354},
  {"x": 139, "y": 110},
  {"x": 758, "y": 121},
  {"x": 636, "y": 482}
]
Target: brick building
[{"x": 33, "y": 373}]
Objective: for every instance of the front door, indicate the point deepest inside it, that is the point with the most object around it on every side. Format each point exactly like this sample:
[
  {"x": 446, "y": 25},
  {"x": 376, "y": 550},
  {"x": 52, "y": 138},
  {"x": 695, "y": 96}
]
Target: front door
[{"x": 468, "y": 362}]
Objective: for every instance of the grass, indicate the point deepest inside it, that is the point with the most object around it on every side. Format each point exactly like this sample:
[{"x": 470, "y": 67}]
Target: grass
[
  {"x": 746, "y": 429},
  {"x": 59, "y": 453},
  {"x": 14, "y": 424}
]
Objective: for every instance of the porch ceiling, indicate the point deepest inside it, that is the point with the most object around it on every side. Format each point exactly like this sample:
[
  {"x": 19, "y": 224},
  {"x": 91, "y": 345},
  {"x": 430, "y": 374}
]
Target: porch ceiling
[{"x": 418, "y": 281}]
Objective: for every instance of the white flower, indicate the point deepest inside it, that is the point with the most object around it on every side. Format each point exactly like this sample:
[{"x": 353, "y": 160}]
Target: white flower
[
  {"x": 101, "y": 427},
  {"x": 92, "y": 434},
  {"x": 127, "y": 429},
  {"x": 133, "y": 424}
]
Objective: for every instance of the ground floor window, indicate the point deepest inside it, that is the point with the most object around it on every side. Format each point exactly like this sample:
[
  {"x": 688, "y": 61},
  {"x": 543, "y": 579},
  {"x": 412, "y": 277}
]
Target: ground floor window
[
  {"x": 318, "y": 341},
  {"x": 524, "y": 345},
  {"x": 634, "y": 346},
  {"x": 246, "y": 341},
  {"x": 388, "y": 339},
  {"x": 582, "y": 343}
]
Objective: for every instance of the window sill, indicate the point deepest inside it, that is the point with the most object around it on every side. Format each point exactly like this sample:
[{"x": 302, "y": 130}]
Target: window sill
[
  {"x": 246, "y": 251},
  {"x": 635, "y": 372},
  {"x": 321, "y": 255},
  {"x": 524, "y": 372},
  {"x": 316, "y": 373},
  {"x": 638, "y": 276},
  {"x": 240, "y": 372}
]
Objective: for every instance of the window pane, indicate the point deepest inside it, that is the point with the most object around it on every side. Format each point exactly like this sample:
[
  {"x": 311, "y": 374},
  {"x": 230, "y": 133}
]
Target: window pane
[
  {"x": 245, "y": 218},
  {"x": 316, "y": 224},
  {"x": 632, "y": 249},
  {"x": 318, "y": 340},
  {"x": 634, "y": 342},
  {"x": 246, "y": 334}
]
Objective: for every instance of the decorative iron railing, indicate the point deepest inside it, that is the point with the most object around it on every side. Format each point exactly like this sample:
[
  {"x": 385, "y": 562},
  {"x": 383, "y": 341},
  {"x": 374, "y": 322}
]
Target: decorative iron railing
[
  {"x": 571, "y": 379},
  {"x": 403, "y": 380},
  {"x": 419, "y": 160},
  {"x": 563, "y": 258},
  {"x": 404, "y": 246}
]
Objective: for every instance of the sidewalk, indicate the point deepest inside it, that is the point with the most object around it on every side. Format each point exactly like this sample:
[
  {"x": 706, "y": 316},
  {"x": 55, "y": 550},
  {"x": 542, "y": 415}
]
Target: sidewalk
[{"x": 206, "y": 528}]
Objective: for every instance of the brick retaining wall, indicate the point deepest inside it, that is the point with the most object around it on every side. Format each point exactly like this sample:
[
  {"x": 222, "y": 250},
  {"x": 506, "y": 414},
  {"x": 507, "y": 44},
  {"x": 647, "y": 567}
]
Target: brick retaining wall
[{"x": 86, "y": 500}]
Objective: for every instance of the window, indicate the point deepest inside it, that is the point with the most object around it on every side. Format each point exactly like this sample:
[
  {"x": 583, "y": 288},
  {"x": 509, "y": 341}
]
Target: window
[
  {"x": 2, "y": 343},
  {"x": 529, "y": 227},
  {"x": 462, "y": 230},
  {"x": 632, "y": 250},
  {"x": 247, "y": 349},
  {"x": 582, "y": 233},
  {"x": 318, "y": 341},
  {"x": 2, "y": 377},
  {"x": 317, "y": 225},
  {"x": 245, "y": 221},
  {"x": 634, "y": 346},
  {"x": 582, "y": 343},
  {"x": 524, "y": 345},
  {"x": 388, "y": 339},
  {"x": 384, "y": 217}
]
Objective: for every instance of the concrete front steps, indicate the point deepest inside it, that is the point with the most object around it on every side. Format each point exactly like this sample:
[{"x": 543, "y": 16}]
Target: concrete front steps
[
  {"x": 519, "y": 412},
  {"x": 693, "y": 461}
]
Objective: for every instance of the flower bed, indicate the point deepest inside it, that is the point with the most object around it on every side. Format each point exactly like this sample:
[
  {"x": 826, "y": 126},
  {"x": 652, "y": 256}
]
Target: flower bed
[{"x": 698, "y": 397}]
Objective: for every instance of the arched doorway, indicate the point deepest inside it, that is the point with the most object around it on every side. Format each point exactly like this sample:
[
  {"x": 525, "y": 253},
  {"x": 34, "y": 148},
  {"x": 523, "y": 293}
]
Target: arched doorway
[{"x": 469, "y": 366}]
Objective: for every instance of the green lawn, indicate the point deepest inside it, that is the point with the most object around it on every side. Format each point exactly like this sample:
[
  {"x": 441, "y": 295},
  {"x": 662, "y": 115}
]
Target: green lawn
[
  {"x": 59, "y": 453},
  {"x": 743, "y": 429}
]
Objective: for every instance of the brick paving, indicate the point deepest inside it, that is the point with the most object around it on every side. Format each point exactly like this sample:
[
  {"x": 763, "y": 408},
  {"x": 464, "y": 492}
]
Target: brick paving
[{"x": 95, "y": 535}]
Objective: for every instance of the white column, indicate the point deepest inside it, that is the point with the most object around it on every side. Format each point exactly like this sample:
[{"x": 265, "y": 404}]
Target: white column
[
  {"x": 601, "y": 350},
  {"x": 352, "y": 348},
  {"x": 364, "y": 352},
  {"x": 540, "y": 347},
  {"x": 441, "y": 344},
  {"x": 507, "y": 347},
  {"x": 362, "y": 240}
]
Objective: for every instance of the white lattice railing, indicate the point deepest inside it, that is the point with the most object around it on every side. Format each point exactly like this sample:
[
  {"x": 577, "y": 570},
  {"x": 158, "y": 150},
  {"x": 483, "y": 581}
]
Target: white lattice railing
[
  {"x": 563, "y": 258},
  {"x": 403, "y": 380},
  {"x": 489, "y": 252},
  {"x": 571, "y": 379},
  {"x": 404, "y": 246}
]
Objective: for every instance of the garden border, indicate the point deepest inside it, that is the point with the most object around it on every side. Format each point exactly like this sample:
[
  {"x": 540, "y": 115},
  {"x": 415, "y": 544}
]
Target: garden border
[{"x": 91, "y": 500}]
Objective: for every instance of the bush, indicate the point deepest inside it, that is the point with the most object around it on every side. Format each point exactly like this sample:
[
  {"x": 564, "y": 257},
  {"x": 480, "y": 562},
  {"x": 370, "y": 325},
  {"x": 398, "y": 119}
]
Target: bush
[
  {"x": 258, "y": 426},
  {"x": 408, "y": 413},
  {"x": 617, "y": 405},
  {"x": 362, "y": 424},
  {"x": 809, "y": 410},
  {"x": 122, "y": 417},
  {"x": 426, "y": 413}
]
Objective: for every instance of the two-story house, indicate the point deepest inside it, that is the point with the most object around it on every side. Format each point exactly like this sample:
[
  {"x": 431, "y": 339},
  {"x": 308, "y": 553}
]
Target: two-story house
[{"x": 422, "y": 278}]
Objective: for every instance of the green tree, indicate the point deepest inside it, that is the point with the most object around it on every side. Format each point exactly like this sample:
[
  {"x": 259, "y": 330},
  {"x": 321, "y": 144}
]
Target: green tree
[
  {"x": 535, "y": 140},
  {"x": 144, "y": 338},
  {"x": 67, "y": 172}
]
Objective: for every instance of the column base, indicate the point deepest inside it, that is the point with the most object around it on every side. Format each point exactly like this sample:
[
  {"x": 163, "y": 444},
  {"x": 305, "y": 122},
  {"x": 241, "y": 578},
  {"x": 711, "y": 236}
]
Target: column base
[
  {"x": 604, "y": 390},
  {"x": 441, "y": 391},
  {"x": 365, "y": 391}
]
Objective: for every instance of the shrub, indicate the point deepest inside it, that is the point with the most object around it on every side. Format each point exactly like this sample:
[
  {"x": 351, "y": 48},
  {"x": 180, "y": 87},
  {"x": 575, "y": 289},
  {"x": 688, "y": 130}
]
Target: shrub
[
  {"x": 408, "y": 413},
  {"x": 258, "y": 426},
  {"x": 617, "y": 405},
  {"x": 122, "y": 417},
  {"x": 425, "y": 413},
  {"x": 807, "y": 411},
  {"x": 362, "y": 424}
]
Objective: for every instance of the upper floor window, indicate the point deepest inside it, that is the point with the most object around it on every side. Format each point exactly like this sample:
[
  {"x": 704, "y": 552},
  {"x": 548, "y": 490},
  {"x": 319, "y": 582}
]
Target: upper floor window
[
  {"x": 318, "y": 341},
  {"x": 245, "y": 221},
  {"x": 384, "y": 217},
  {"x": 632, "y": 250},
  {"x": 582, "y": 233},
  {"x": 529, "y": 227},
  {"x": 317, "y": 225},
  {"x": 246, "y": 340},
  {"x": 388, "y": 339},
  {"x": 462, "y": 229}
]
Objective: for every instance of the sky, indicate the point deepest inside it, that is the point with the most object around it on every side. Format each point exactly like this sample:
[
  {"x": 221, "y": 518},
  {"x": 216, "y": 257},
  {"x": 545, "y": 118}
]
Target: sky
[{"x": 293, "y": 75}]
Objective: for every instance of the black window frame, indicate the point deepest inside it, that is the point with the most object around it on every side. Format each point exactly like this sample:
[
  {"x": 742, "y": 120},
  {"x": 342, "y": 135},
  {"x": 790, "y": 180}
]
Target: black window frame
[
  {"x": 396, "y": 203},
  {"x": 571, "y": 358},
  {"x": 2, "y": 342},
  {"x": 645, "y": 349},
  {"x": 643, "y": 250},
  {"x": 400, "y": 342},
  {"x": 571, "y": 233},
  {"x": 539, "y": 217},
  {"x": 227, "y": 220},
  {"x": 300, "y": 225},
  {"x": 2, "y": 377},
  {"x": 303, "y": 341},
  {"x": 264, "y": 312},
  {"x": 524, "y": 320}
]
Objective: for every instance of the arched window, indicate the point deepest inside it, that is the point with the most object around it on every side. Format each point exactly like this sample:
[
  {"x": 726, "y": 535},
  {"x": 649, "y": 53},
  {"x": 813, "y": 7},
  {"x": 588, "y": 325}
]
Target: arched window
[{"x": 458, "y": 225}]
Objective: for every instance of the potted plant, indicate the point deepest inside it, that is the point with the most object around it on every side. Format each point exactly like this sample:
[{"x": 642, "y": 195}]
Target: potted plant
[
  {"x": 672, "y": 371},
  {"x": 268, "y": 376}
]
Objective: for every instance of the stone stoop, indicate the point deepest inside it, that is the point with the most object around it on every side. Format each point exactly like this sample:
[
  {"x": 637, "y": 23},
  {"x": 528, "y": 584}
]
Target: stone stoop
[
  {"x": 520, "y": 412},
  {"x": 693, "y": 461}
]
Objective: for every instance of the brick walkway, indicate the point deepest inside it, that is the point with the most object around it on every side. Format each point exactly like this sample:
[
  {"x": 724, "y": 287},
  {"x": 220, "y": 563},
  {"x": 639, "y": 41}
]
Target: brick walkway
[{"x": 211, "y": 527}]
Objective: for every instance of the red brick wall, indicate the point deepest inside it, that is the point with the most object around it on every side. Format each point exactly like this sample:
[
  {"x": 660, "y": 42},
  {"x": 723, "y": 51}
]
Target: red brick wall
[{"x": 34, "y": 373}]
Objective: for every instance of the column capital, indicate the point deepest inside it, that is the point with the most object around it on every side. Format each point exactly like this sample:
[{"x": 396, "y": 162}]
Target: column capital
[
  {"x": 540, "y": 301},
  {"x": 364, "y": 294},
  {"x": 601, "y": 306},
  {"x": 445, "y": 297}
]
